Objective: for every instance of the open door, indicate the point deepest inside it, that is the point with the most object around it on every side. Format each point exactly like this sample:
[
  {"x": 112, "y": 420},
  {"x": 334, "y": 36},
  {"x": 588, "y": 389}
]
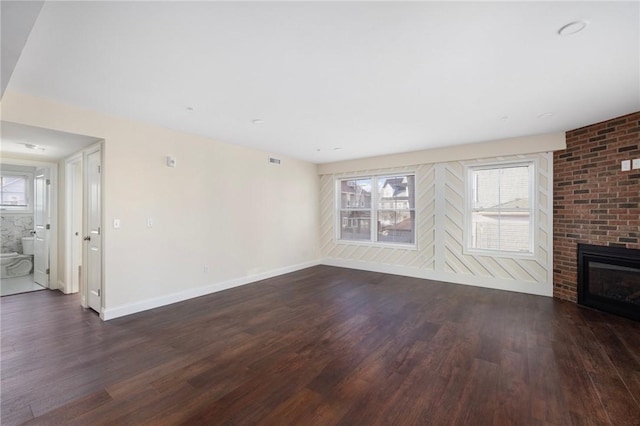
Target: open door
[
  {"x": 42, "y": 225},
  {"x": 74, "y": 230},
  {"x": 93, "y": 236}
]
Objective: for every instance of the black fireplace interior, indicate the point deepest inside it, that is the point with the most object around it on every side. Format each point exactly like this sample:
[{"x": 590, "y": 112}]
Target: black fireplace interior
[{"x": 609, "y": 279}]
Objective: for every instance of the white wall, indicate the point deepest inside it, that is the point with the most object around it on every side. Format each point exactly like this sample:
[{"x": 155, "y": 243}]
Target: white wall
[
  {"x": 223, "y": 206},
  {"x": 440, "y": 206}
]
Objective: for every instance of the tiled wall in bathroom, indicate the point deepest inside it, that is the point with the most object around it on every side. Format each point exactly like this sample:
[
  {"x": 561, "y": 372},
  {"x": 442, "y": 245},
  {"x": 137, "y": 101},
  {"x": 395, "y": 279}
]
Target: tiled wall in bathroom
[{"x": 14, "y": 227}]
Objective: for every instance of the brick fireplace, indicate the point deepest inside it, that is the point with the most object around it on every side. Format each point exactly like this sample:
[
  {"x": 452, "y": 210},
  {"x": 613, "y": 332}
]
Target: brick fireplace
[{"x": 594, "y": 202}]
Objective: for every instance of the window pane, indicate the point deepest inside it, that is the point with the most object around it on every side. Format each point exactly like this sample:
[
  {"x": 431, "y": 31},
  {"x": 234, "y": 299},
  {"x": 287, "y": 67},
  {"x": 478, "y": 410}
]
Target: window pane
[
  {"x": 355, "y": 225},
  {"x": 396, "y": 226},
  {"x": 396, "y": 192},
  {"x": 14, "y": 191},
  {"x": 355, "y": 194},
  {"x": 504, "y": 224},
  {"x": 485, "y": 188},
  {"x": 507, "y": 188},
  {"x": 485, "y": 230},
  {"x": 514, "y": 231},
  {"x": 500, "y": 231},
  {"x": 514, "y": 188},
  {"x": 396, "y": 221},
  {"x": 393, "y": 211}
]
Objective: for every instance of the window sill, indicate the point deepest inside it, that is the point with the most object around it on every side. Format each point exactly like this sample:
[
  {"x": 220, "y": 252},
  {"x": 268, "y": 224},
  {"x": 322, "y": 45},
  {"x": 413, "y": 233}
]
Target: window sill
[
  {"x": 413, "y": 247},
  {"x": 499, "y": 253},
  {"x": 16, "y": 212}
]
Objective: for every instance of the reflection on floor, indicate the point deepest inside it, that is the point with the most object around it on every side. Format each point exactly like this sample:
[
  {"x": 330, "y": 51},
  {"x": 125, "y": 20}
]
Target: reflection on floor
[{"x": 16, "y": 285}]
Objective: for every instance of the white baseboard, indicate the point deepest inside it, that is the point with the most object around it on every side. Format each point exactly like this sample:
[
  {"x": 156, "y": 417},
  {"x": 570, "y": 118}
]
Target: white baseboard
[
  {"x": 132, "y": 308},
  {"x": 62, "y": 287},
  {"x": 538, "y": 289}
]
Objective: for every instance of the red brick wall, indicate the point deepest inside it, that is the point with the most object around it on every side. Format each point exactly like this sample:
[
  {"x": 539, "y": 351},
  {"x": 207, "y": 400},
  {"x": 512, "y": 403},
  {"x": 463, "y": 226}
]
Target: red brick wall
[{"x": 594, "y": 202}]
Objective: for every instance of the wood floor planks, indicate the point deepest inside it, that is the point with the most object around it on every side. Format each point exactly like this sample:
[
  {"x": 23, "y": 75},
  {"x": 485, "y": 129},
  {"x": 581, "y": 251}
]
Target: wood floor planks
[{"x": 321, "y": 346}]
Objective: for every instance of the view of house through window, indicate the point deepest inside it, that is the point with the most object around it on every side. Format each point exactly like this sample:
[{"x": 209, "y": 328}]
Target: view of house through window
[
  {"x": 377, "y": 209},
  {"x": 14, "y": 194},
  {"x": 501, "y": 208}
]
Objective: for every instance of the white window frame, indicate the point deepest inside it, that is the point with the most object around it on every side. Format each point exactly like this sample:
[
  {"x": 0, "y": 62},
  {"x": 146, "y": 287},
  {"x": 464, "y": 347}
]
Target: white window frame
[
  {"x": 29, "y": 193},
  {"x": 374, "y": 211},
  {"x": 533, "y": 209}
]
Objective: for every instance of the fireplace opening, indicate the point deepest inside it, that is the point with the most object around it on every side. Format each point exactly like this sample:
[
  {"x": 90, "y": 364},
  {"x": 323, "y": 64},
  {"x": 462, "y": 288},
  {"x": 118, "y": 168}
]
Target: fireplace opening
[{"x": 609, "y": 279}]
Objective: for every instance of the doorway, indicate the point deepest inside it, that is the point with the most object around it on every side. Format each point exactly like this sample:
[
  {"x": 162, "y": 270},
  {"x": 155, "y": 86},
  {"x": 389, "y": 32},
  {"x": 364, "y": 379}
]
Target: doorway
[
  {"x": 28, "y": 241},
  {"x": 83, "y": 226},
  {"x": 66, "y": 183}
]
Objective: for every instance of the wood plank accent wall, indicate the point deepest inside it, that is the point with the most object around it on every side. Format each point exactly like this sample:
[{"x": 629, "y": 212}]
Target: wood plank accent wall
[
  {"x": 594, "y": 201},
  {"x": 440, "y": 217}
]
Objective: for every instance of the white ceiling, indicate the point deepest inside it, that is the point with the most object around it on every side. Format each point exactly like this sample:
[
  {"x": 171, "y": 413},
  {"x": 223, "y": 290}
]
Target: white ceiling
[
  {"x": 16, "y": 19},
  {"x": 57, "y": 145},
  {"x": 369, "y": 78}
]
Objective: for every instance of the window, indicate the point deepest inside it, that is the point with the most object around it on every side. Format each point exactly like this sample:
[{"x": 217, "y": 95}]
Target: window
[
  {"x": 15, "y": 191},
  {"x": 377, "y": 209},
  {"x": 501, "y": 208}
]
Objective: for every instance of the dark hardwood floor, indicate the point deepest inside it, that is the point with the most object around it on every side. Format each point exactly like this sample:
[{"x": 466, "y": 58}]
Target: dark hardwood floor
[{"x": 322, "y": 346}]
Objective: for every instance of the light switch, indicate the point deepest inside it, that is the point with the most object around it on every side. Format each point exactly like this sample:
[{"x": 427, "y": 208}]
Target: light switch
[
  {"x": 635, "y": 164},
  {"x": 626, "y": 165},
  {"x": 149, "y": 222},
  {"x": 116, "y": 223}
]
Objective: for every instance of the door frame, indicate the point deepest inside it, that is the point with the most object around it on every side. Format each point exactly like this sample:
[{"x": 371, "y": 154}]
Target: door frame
[
  {"x": 71, "y": 192},
  {"x": 84, "y": 283},
  {"x": 54, "y": 283}
]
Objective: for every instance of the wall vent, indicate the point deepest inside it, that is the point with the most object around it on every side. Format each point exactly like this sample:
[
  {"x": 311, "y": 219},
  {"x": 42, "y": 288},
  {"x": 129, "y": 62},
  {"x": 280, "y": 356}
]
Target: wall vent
[{"x": 274, "y": 160}]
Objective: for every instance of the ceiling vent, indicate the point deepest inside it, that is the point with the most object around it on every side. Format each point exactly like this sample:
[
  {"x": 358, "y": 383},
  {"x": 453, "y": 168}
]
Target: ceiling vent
[{"x": 274, "y": 160}]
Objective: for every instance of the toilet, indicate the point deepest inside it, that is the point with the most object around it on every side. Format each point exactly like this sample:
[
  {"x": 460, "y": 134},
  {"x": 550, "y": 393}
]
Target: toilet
[{"x": 15, "y": 264}]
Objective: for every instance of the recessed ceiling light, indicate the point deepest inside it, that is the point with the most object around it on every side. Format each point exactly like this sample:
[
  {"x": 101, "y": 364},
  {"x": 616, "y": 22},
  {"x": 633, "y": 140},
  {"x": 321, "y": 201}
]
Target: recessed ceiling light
[
  {"x": 572, "y": 28},
  {"x": 337, "y": 149},
  {"x": 258, "y": 121},
  {"x": 546, "y": 115},
  {"x": 34, "y": 147}
]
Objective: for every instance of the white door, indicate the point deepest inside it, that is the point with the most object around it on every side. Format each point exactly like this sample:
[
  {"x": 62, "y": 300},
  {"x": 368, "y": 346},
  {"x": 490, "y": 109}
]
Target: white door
[
  {"x": 93, "y": 237},
  {"x": 74, "y": 178},
  {"x": 42, "y": 227}
]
